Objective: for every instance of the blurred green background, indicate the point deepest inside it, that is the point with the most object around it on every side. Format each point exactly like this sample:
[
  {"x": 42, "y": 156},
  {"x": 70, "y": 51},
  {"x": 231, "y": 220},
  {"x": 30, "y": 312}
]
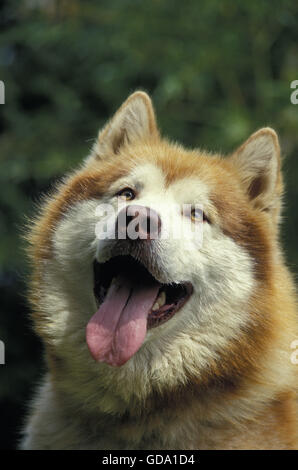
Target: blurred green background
[{"x": 217, "y": 71}]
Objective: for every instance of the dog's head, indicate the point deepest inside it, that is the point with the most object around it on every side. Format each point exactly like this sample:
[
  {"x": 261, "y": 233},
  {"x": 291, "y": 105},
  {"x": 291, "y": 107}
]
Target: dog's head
[{"x": 152, "y": 261}]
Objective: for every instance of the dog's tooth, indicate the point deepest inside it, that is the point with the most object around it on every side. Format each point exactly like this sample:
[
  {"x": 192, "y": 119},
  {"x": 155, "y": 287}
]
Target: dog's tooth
[
  {"x": 162, "y": 298},
  {"x": 160, "y": 301}
]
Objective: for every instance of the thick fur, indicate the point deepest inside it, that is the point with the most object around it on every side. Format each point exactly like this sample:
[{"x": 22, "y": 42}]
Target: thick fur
[{"x": 218, "y": 375}]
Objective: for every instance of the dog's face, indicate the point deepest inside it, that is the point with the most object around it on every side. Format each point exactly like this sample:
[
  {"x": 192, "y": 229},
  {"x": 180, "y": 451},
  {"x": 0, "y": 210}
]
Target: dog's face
[{"x": 150, "y": 257}]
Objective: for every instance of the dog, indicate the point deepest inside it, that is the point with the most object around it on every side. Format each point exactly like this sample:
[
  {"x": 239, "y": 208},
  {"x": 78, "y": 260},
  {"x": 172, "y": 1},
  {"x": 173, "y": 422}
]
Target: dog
[{"x": 155, "y": 340}]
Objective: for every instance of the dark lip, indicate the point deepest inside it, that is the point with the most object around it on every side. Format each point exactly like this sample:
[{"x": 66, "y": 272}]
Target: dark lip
[
  {"x": 177, "y": 294},
  {"x": 142, "y": 252}
]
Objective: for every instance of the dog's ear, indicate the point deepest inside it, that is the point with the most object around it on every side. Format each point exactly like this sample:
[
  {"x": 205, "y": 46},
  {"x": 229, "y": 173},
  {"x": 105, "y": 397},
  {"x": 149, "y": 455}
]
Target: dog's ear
[
  {"x": 258, "y": 164},
  {"x": 134, "y": 120}
]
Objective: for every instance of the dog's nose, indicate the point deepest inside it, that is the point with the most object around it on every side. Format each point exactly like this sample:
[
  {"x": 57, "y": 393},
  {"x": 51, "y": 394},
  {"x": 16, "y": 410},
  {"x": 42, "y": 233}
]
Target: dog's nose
[{"x": 135, "y": 222}]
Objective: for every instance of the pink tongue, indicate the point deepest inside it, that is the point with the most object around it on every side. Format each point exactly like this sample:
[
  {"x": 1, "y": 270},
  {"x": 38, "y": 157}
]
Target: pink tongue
[{"x": 118, "y": 328}]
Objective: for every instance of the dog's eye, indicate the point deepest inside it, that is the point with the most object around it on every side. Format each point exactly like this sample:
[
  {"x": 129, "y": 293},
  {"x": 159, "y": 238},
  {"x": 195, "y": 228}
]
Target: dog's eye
[
  {"x": 127, "y": 193},
  {"x": 198, "y": 215}
]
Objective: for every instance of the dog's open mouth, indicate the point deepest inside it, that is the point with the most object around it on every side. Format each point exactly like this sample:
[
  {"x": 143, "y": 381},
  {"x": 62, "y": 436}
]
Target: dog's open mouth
[
  {"x": 130, "y": 301},
  {"x": 168, "y": 301}
]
